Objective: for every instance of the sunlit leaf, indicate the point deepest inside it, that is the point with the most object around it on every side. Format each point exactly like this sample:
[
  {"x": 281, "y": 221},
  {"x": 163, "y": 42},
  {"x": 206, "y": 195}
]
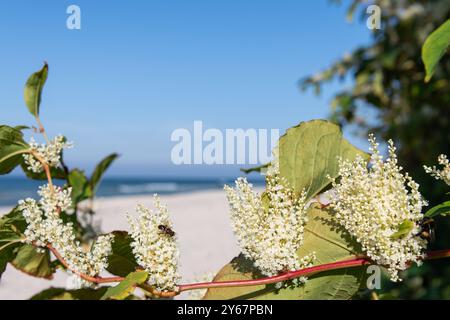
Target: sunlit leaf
[
  {"x": 33, "y": 90},
  {"x": 12, "y": 148},
  {"x": 32, "y": 262},
  {"x": 434, "y": 48},
  {"x": 442, "y": 209},
  {"x": 126, "y": 287},
  {"x": 308, "y": 155}
]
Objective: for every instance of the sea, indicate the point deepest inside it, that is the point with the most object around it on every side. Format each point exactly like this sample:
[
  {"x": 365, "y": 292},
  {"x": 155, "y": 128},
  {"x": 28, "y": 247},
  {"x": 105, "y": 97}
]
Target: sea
[{"x": 13, "y": 189}]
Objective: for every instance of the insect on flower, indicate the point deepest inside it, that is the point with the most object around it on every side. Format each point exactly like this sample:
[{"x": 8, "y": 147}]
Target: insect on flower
[
  {"x": 427, "y": 229},
  {"x": 166, "y": 230}
]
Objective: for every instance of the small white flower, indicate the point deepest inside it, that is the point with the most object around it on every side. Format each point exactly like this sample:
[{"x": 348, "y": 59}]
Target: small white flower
[
  {"x": 50, "y": 153},
  {"x": 443, "y": 174},
  {"x": 371, "y": 203},
  {"x": 269, "y": 229},
  {"x": 155, "y": 250}
]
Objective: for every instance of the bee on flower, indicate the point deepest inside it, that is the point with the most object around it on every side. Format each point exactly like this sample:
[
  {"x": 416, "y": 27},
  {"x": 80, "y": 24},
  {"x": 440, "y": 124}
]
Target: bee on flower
[{"x": 155, "y": 245}]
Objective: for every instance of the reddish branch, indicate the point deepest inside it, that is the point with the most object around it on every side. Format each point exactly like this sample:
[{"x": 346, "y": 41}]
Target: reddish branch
[{"x": 349, "y": 263}]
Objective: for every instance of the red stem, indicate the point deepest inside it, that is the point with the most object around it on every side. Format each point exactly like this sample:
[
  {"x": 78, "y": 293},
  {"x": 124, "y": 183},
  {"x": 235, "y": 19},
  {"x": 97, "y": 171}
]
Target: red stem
[
  {"x": 349, "y": 263},
  {"x": 355, "y": 262},
  {"x": 82, "y": 275}
]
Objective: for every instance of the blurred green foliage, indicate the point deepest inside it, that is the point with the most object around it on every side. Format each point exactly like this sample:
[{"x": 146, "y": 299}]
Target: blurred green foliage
[{"x": 389, "y": 97}]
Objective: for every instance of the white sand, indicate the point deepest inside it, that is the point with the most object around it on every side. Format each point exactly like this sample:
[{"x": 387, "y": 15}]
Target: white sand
[{"x": 201, "y": 220}]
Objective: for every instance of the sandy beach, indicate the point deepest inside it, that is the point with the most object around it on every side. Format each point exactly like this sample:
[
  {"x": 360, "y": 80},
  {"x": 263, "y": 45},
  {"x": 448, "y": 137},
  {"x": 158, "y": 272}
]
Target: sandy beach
[{"x": 201, "y": 220}]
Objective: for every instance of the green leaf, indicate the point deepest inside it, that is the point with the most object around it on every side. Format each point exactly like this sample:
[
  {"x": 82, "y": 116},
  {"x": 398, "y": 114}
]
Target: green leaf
[
  {"x": 12, "y": 226},
  {"x": 126, "y": 287},
  {"x": 99, "y": 170},
  {"x": 328, "y": 241},
  {"x": 308, "y": 155},
  {"x": 33, "y": 90},
  {"x": 13, "y": 134},
  {"x": 434, "y": 48},
  {"x": 56, "y": 173},
  {"x": 403, "y": 229},
  {"x": 442, "y": 209},
  {"x": 121, "y": 260},
  {"x": 6, "y": 255},
  {"x": 24, "y": 256},
  {"x": 14, "y": 221},
  {"x": 12, "y": 148},
  {"x": 63, "y": 294},
  {"x": 9, "y": 241},
  {"x": 32, "y": 262},
  {"x": 80, "y": 186}
]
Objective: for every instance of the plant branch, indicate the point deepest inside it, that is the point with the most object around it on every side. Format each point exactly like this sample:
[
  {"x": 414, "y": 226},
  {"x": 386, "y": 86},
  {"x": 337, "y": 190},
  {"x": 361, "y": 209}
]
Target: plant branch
[
  {"x": 82, "y": 275},
  {"x": 42, "y": 129},
  {"x": 46, "y": 169},
  {"x": 349, "y": 263}
]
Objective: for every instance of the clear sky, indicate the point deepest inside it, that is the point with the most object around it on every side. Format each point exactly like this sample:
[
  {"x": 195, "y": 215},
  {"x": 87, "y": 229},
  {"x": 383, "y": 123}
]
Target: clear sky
[{"x": 137, "y": 70}]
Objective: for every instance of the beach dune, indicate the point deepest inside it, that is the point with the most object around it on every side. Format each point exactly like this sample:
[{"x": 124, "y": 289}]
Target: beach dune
[{"x": 201, "y": 221}]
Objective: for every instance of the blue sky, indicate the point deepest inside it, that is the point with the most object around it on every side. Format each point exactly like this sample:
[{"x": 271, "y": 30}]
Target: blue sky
[{"x": 137, "y": 70}]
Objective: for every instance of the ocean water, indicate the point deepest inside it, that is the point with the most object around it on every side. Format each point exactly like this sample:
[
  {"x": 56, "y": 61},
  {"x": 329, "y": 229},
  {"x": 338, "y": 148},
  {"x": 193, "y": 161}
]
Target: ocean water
[{"x": 13, "y": 189}]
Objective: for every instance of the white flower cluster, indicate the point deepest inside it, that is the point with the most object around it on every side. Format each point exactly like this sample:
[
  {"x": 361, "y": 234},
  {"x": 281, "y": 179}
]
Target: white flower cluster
[
  {"x": 371, "y": 203},
  {"x": 46, "y": 227},
  {"x": 269, "y": 229},
  {"x": 443, "y": 174},
  {"x": 155, "y": 245},
  {"x": 50, "y": 153}
]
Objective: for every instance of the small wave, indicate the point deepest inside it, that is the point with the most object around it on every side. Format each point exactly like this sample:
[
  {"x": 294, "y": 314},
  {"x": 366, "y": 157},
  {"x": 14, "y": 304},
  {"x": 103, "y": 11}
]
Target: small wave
[{"x": 148, "y": 187}]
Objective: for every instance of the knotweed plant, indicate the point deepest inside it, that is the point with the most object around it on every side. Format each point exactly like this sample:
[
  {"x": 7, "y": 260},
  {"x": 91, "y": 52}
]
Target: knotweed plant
[
  {"x": 375, "y": 204},
  {"x": 269, "y": 228},
  {"x": 442, "y": 174},
  {"x": 155, "y": 245},
  {"x": 378, "y": 205}
]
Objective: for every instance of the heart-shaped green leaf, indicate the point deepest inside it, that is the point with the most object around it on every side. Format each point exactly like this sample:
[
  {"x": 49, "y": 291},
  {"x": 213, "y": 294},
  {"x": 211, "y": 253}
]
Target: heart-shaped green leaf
[{"x": 308, "y": 155}]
